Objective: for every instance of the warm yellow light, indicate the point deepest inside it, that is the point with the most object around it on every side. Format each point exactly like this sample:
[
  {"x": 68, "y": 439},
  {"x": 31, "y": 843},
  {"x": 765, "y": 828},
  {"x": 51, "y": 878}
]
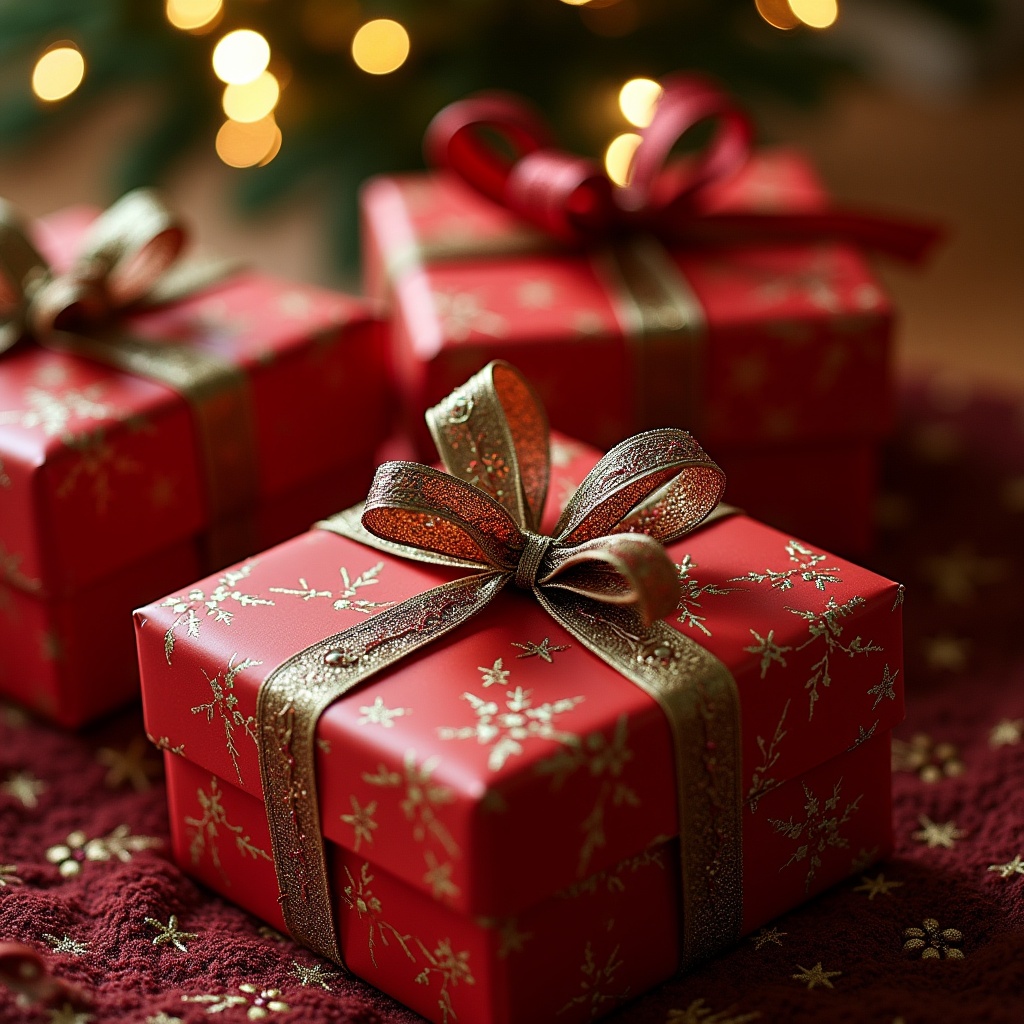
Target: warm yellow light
[
  {"x": 380, "y": 46},
  {"x": 777, "y": 13},
  {"x": 575, "y": 3},
  {"x": 619, "y": 155},
  {"x": 637, "y": 100},
  {"x": 241, "y": 56},
  {"x": 815, "y": 13},
  {"x": 252, "y": 101},
  {"x": 275, "y": 148},
  {"x": 245, "y": 145},
  {"x": 58, "y": 72},
  {"x": 189, "y": 15}
]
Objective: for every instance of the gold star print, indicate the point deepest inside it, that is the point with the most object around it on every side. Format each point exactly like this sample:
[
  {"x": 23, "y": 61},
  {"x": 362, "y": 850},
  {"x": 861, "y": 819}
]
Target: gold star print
[
  {"x": 314, "y": 974},
  {"x": 170, "y": 933},
  {"x": 815, "y": 976},
  {"x": 767, "y": 936},
  {"x": 133, "y": 765},
  {"x": 1006, "y": 732},
  {"x": 873, "y": 887},
  {"x": 957, "y": 575},
  {"x": 24, "y": 787},
  {"x": 1010, "y": 868},
  {"x": 67, "y": 1014},
  {"x": 934, "y": 834},
  {"x": 496, "y": 675},
  {"x": 361, "y": 820},
  {"x": 946, "y": 653},
  {"x": 545, "y": 649}
]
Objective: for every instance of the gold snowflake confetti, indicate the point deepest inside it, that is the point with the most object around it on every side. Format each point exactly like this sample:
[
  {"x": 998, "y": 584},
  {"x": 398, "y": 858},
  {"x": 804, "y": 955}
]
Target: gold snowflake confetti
[
  {"x": 544, "y": 650},
  {"x": 66, "y": 944},
  {"x": 310, "y": 975},
  {"x": 698, "y": 1012},
  {"x": 929, "y": 760},
  {"x": 259, "y": 1003},
  {"x": 361, "y": 820},
  {"x": 1010, "y": 868},
  {"x": 815, "y": 976},
  {"x": 496, "y": 675},
  {"x": 1006, "y": 732},
  {"x": 933, "y": 942},
  {"x": 170, "y": 933},
  {"x": 767, "y": 936},
  {"x": 378, "y": 713},
  {"x": 132, "y": 766},
  {"x": 935, "y": 834},
  {"x": 78, "y": 849},
  {"x": 877, "y": 886},
  {"x": 24, "y": 787},
  {"x": 9, "y": 875}
]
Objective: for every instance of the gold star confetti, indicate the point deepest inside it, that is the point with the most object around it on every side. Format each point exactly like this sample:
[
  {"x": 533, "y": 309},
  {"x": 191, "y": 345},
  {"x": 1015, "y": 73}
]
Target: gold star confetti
[
  {"x": 933, "y": 942},
  {"x": 876, "y": 886},
  {"x": 957, "y": 575},
  {"x": 67, "y": 1014},
  {"x": 815, "y": 976},
  {"x": 9, "y": 875},
  {"x": 934, "y": 834},
  {"x": 1007, "y": 870},
  {"x": 767, "y": 936},
  {"x": 24, "y": 787},
  {"x": 66, "y": 944},
  {"x": 544, "y": 650},
  {"x": 170, "y": 933},
  {"x": 496, "y": 675},
  {"x": 132, "y": 766},
  {"x": 361, "y": 820},
  {"x": 314, "y": 974},
  {"x": 946, "y": 653},
  {"x": 1006, "y": 732}
]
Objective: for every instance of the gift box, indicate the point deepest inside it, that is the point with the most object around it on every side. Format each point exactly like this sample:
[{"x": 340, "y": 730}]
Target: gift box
[
  {"x": 737, "y": 323},
  {"x": 144, "y": 447},
  {"x": 513, "y": 829}
]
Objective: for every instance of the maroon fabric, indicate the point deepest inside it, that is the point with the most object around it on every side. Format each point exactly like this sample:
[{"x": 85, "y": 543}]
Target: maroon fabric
[{"x": 953, "y": 531}]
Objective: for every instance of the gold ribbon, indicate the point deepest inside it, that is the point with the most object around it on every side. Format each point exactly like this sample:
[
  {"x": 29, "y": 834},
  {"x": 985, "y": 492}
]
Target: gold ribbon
[
  {"x": 127, "y": 260},
  {"x": 603, "y": 575}
]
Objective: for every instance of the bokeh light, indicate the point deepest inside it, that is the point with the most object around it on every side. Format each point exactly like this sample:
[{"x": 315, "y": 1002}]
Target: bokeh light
[
  {"x": 380, "y": 46},
  {"x": 241, "y": 56},
  {"x": 252, "y": 101},
  {"x": 619, "y": 155},
  {"x": 777, "y": 13},
  {"x": 248, "y": 144},
  {"x": 190, "y": 15},
  {"x": 637, "y": 100},
  {"x": 58, "y": 72},
  {"x": 815, "y": 13}
]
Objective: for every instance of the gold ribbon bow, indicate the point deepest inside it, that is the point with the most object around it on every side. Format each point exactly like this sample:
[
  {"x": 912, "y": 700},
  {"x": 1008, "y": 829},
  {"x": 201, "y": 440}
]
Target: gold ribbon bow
[
  {"x": 603, "y": 575},
  {"x": 128, "y": 258}
]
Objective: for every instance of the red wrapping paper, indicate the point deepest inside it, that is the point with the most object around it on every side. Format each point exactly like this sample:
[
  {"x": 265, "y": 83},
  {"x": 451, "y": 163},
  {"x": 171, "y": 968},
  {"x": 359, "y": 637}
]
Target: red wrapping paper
[
  {"x": 101, "y": 488},
  {"x": 501, "y": 806},
  {"x": 795, "y": 360}
]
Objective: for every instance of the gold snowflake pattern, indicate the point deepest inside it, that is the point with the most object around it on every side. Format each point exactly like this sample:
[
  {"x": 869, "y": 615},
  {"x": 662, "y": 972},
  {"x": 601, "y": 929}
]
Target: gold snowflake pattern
[
  {"x": 345, "y": 600},
  {"x": 544, "y": 650},
  {"x": 929, "y": 760},
  {"x": 597, "y": 982},
  {"x": 768, "y": 649},
  {"x": 451, "y": 968},
  {"x": 206, "y": 831},
  {"x": 225, "y": 705},
  {"x": 877, "y": 886},
  {"x": 505, "y": 730},
  {"x": 259, "y": 1003},
  {"x": 496, "y": 675},
  {"x": 65, "y": 944},
  {"x": 1006, "y": 732},
  {"x": 762, "y": 782},
  {"x": 78, "y": 849},
  {"x": 312, "y": 975},
  {"x": 691, "y": 592},
  {"x": 935, "y": 834},
  {"x": 933, "y": 942},
  {"x": 170, "y": 934},
  {"x": 24, "y": 787},
  {"x": 807, "y": 567},
  {"x": 864, "y": 733},
  {"x": 67, "y": 1014},
  {"x": 698, "y": 1012},
  {"x": 188, "y": 607},
  {"x": 9, "y": 875},
  {"x": 884, "y": 689},
  {"x": 132, "y": 766},
  {"x": 767, "y": 937},
  {"x": 462, "y": 313},
  {"x": 378, "y": 713},
  {"x": 820, "y": 829},
  {"x": 438, "y": 877},
  {"x": 1010, "y": 869},
  {"x": 96, "y": 464},
  {"x": 358, "y": 896},
  {"x": 361, "y": 820},
  {"x": 815, "y": 976},
  {"x": 611, "y": 878},
  {"x": 52, "y": 411},
  {"x": 422, "y": 797},
  {"x": 511, "y": 939}
]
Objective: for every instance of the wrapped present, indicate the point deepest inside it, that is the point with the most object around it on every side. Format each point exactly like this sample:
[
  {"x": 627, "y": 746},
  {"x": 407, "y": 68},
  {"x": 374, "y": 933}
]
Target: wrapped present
[
  {"x": 730, "y": 299},
  {"x": 157, "y": 421},
  {"x": 511, "y": 770}
]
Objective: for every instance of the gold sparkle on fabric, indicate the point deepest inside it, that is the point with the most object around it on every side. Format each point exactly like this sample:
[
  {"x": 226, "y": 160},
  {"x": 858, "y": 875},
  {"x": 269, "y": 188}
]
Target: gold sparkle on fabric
[
  {"x": 698, "y": 1012},
  {"x": 877, "y": 886},
  {"x": 884, "y": 689},
  {"x": 690, "y": 593},
  {"x": 131, "y": 766},
  {"x": 1010, "y": 869},
  {"x": 170, "y": 934},
  {"x": 65, "y": 944},
  {"x": 451, "y": 968},
  {"x": 957, "y": 575},
  {"x": 496, "y": 675},
  {"x": 767, "y": 937},
  {"x": 24, "y": 787},
  {"x": 934, "y": 834},
  {"x": 815, "y": 976},
  {"x": 933, "y": 942},
  {"x": 259, "y": 1003},
  {"x": 378, "y": 713},
  {"x": 206, "y": 831},
  {"x": 807, "y": 568},
  {"x": 544, "y": 650},
  {"x": 597, "y": 982},
  {"x": 929, "y": 760},
  {"x": 346, "y": 599},
  {"x": 225, "y": 705},
  {"x": 313, "y": 975},
  {"x": 9, "y": 875},
  {"x": 762, "y": 782},
  {"x": 359, "y": 896},
  {"x": 1006, "y": 732},
  {"x": 361, "y": 820},
  {"x": 78, "y": 849}
]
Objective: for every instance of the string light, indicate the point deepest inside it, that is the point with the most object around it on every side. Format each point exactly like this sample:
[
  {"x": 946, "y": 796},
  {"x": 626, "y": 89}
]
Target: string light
[
  {"x": 242, "y": 144},
  {"x": 637, "y": 100},
  {"x": 189, "y": 15},
  {"x": 380, "y": 46},
  {"x": 815, "y": 13},
  {"x": 58, "y": 72},
  {"x": 252, "y": 101},
  {"x": 619, "y": 155},
  {"x": 777, "y": 13},
  {"x": 240, "y": 56}
]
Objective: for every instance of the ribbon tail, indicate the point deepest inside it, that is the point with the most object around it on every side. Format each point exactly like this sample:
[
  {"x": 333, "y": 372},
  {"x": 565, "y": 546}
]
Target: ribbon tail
[{"x": 290, "y": 702}]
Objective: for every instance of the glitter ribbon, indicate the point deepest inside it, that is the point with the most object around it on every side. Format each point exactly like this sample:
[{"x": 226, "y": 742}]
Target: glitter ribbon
[
  {"x": 603, "y": 574},
  {"x": 127, "y": 260}
]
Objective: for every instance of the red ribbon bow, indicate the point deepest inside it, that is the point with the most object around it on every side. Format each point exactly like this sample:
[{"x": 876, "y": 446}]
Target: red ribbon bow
[{"x": 573, "y": 199}]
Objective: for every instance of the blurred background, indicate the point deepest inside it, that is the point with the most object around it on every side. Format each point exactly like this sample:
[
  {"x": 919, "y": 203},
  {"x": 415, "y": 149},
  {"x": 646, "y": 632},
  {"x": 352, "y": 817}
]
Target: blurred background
[{"x": 261, "y": 117}]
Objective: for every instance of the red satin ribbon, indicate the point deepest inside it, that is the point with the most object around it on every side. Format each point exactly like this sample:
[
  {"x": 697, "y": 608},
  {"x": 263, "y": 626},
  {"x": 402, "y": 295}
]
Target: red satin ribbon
[{"x": 498, "y": 144}]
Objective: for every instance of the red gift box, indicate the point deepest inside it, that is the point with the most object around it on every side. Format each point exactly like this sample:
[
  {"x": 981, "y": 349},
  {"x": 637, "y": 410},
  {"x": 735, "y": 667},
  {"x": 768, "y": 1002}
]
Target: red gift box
[
  {"x": 105, "y": 493},
  {"x": 499, "y": 808},
  {"x": 772, "y": 352}
]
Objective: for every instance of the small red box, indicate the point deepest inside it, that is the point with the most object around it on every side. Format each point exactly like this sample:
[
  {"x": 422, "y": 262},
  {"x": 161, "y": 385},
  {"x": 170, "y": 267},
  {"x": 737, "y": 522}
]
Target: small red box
[
  {"x": 500, "y": 808},
  {"x": 102, "y": 496},
  {"x": 785, "y": 375}
]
